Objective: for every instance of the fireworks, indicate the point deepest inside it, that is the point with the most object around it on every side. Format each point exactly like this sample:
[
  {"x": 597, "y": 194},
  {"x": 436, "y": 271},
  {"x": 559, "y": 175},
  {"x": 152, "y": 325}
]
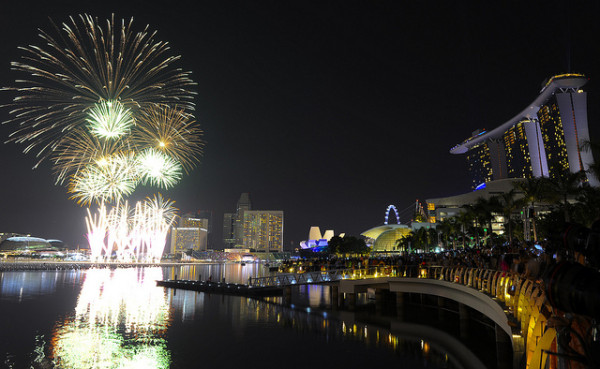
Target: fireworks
[
  {"x": 170, "y": 131},
  {"x": 86, "y": 66},
  {"x": 109, "y": 119},
  {"x": 138, "y": 235},
  {"x": 107, "y": 108},
  {"x": 158, "y": 169}
]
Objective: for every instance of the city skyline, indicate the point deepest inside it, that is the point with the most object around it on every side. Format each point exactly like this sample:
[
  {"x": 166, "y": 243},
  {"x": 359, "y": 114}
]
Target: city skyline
[{"x": 328, "y": 111}]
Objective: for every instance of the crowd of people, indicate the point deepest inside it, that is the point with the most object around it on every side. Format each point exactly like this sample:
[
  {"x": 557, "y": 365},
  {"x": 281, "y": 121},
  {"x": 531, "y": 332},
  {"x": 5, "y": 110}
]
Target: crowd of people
[{"x": 527, "y": 259}]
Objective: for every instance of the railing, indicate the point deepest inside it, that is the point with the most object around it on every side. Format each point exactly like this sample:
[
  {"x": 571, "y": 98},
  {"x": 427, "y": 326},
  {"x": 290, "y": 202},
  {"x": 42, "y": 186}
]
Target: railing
[
  {"x": 524, "y": 299},
  {"x": 287, "y": 279}
]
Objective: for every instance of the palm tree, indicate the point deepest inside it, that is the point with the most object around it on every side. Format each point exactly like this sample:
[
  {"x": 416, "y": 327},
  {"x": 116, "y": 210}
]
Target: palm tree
[
  {"x": 533, "y": 192},
  {"x": 406, "y": 241},
  {"x": 448, "y": 229},
  {"x": 421, "y": 238},
  {"x": 509, "y": 205},
  {"x": 465, "y": 220},
  {"x": 432, "y": 238},
  {"x": 486, "y": 209},
  {"x": 587, "y": 209},
  {"x": 593, "y": 146},
  {"x": 563, "y": 187}
]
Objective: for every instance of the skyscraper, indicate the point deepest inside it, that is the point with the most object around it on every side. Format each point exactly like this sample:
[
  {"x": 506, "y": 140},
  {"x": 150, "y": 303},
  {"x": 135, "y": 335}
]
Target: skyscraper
[
  {"x": 190, "y": 234},
  {"x": 243, "y": 205},
  {"x": 257, "y": 230},
  {"x": 228, "y": 227},
  {"x": 263, "y": 230},
  {"x": 543, "y": 140}
]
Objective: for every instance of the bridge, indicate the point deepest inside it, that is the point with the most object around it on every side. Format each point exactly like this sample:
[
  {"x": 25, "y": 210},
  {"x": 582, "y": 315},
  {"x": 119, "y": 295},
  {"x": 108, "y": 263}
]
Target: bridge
[{"x": 517, "y": 306}]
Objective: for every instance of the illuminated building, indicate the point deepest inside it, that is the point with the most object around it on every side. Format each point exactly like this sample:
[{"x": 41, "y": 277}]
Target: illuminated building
[
  {"x": 479, "y": 163},
  {"x": 543, "y": 140},
  {"x": 447, "y": 207},
  {"x": 316, "y": 241},
  {"x": 228, "y": 226},
  {"x": 190, "y": 234},
  {"x": 21, "y": 245},
  {"x": 243, "y": 205},
  {"x": 263, "y": 230},
  {"x": 518, "y": 161},
  {"x": 385, "y": 238},
  {"x": 257, "y": 230},
  {"x": 233, "y": 227}
]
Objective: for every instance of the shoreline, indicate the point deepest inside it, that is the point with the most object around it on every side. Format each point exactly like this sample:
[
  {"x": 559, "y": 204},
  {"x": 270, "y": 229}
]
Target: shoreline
[{"x": 7, "y": 266}]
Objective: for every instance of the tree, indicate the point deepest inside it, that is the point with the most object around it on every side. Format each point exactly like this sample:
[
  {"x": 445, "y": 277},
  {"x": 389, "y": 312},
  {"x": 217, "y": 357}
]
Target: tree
[
  {"x": 533, "y": 192},
  {"x": 465, "y": 220},
  {"x": 587, "y": 208},
  {"x": 563, "y": 187},
  {"x": 406, "y": 242},
  {"x": 484, "y": 212},
  {"x": 347, "y": 245},
  {"x": 509, "y": 204},
  {"x": 594, "y": 147}
]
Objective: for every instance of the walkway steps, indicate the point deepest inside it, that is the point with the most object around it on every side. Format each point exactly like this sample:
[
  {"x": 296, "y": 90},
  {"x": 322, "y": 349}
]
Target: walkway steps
[{"x": 222, "y": 288}]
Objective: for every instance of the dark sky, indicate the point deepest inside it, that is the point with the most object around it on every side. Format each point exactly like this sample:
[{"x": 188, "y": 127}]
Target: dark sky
[{"x": 327, "y": 110}]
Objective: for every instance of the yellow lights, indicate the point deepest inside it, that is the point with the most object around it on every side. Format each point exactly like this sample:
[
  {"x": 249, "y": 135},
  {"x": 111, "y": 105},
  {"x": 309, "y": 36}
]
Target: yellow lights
[
  {"x": 102, "y": 161},
  {"x": 162, "y": 144},
  {"x": 423, "y": 273},
  {"x": 111, "y": 303}
]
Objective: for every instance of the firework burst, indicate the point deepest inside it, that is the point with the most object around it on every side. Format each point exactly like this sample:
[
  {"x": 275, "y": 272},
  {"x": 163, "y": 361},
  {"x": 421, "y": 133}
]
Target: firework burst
[
  {"x": 172, "y": 131},
  {"x": 83, "y": 65},
  {"x": 158, "y": 169},
  {"x": 109, "y": 120},
  {"x": 110, "y": 179}
]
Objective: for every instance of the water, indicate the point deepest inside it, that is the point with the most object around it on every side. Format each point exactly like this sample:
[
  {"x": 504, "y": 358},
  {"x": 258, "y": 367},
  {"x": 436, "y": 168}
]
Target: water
[{"x": 119, "y": 318}]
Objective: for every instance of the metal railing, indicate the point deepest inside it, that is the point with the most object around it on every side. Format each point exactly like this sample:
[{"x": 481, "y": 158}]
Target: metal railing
[{"x": 288, "y": 279}]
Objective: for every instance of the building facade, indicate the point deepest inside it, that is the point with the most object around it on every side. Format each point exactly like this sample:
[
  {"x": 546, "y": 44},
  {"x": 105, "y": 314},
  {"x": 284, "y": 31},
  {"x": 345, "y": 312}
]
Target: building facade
[
  {"x": 543, "y": 140},
  {"x": 190, "y": 234},
  {"x": 257, "y": 230},
  {"x": 263, "y": 230}
]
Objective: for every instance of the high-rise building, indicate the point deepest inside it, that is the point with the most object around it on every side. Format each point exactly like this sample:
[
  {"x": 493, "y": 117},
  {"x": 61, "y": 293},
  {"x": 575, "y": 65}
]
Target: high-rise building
[
  {"x": 228, "y": 227},
  {"x": 191, "y": 233},
  {"x": 263, "y": 230},
  {"x": 257, "y": 230},
  {"x": 543, "y": 140},
  {"x": 243, "y": 205},
  {"x": 479, "y": 163},
  {"x": 518, "y": 161}
]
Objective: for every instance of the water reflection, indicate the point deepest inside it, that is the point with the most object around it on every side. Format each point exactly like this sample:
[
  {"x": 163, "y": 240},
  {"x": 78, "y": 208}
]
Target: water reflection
[
  {"x": 231, "y": 272},
  {"x": 25, "y": 285},
  {"x": 120, "y": 321}
]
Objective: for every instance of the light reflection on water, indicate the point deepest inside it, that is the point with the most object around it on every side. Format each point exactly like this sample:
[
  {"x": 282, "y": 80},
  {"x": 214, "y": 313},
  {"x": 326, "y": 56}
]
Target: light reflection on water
[
  {"x": 119, "y": 318},
  {"x": 26, "y": 285},
  {"x": 119, "y": 322}
]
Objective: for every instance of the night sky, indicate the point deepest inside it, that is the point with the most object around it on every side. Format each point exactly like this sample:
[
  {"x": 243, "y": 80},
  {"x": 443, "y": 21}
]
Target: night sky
[{"x": 327, "y": 110}]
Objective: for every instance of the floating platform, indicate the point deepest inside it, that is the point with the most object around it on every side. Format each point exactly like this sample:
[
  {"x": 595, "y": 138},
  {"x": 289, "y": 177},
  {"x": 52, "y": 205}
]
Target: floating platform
[{"x": 222, "y": 288}]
